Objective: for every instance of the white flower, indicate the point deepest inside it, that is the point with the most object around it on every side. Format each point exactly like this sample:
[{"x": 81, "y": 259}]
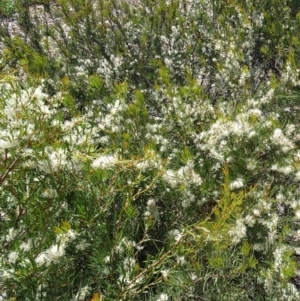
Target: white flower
[
  {"x": 51, "y": 255},
  {"x": 171, "y": 178},
  {"x": 249, "y": 220},
  {"x": 26, "y": 246},
  {"x": 280, "y": 139},
  {"x": 165, "y": 274},
  {"x": 238, "y": 232},
  {"x": 185, "y": 175},
  {"x": 12, "y": 257},
  {"x": 12, "y": 233},
  {"x": 49, "y": 193},
  {"x": 251, "y": 164},
  {"x": 151, "y": 203},
  {"x": 163, "y": 297},
  {"x": 143, "y": 165},
  {"x": 4, "y": 144},
  {"x": 57, "y": 159},
  {"x": 66, "y": 237},
  {"x": 297, "y": 176},
  {"x": 256, "y": 212},
  {"x": 193, "y": 276},
  {"x": 8, "y": 274},
  {"x": 278, "y": 258},
  {"x": 176, "y": 234},
  {"x": 180, "y": 260},
  {"x": 107, "y": 259},
  {"x": 41, "y": 259},
  {"x": 81, "y": 245},
  {"x": 277, "y": 134},
  {"x": 238, "y": 183},
  {"x": 105, "y": 162},
  {"x": 297, "y": 214}
]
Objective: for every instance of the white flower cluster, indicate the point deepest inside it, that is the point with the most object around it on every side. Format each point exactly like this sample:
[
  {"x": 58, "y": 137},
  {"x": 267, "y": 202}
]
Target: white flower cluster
[
  {"x": 238, "y": 232},
  {"x": 237, "y": 184},
  {"x": 105, "y": 162},
  {"x": 151, "y": 211},
  {"x": 112, "y": 120},
  {"x": 163, "y": 297},
  {"x": 176, "y": 234},
  {"x": 186, "y": 175},
  {"x": 15, "y": 112},
  {"x": 57, "y": 161},
  {"x": 280, "y": 139},
  {"x": 56, "y": 251}
]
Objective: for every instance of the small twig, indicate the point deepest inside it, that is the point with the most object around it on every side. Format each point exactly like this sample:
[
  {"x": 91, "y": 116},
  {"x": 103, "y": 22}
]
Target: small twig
[{"x": 10, "y": 168}]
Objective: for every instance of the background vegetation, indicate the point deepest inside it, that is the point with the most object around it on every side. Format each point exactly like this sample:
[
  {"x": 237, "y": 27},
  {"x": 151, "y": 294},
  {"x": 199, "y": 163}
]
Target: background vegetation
[{"x": 149, "y": 150}]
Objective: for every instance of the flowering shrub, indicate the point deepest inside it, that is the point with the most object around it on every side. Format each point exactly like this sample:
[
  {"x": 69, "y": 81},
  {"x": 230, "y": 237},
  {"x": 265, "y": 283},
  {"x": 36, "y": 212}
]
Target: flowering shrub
[{"x": 149, "y": 151}]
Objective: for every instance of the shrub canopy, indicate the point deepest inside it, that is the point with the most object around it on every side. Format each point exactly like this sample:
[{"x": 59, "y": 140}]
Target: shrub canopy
[{"x": 149, "y": 150}]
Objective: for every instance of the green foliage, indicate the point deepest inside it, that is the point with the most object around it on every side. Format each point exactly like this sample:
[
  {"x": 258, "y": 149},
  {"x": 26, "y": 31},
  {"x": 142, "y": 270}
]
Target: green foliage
[{"x": 7, "y": 8}]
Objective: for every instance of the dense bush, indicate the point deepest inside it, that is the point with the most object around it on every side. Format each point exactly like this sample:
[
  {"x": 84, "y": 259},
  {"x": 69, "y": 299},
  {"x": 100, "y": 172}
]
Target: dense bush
[{"x": 149, "y": 150}]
